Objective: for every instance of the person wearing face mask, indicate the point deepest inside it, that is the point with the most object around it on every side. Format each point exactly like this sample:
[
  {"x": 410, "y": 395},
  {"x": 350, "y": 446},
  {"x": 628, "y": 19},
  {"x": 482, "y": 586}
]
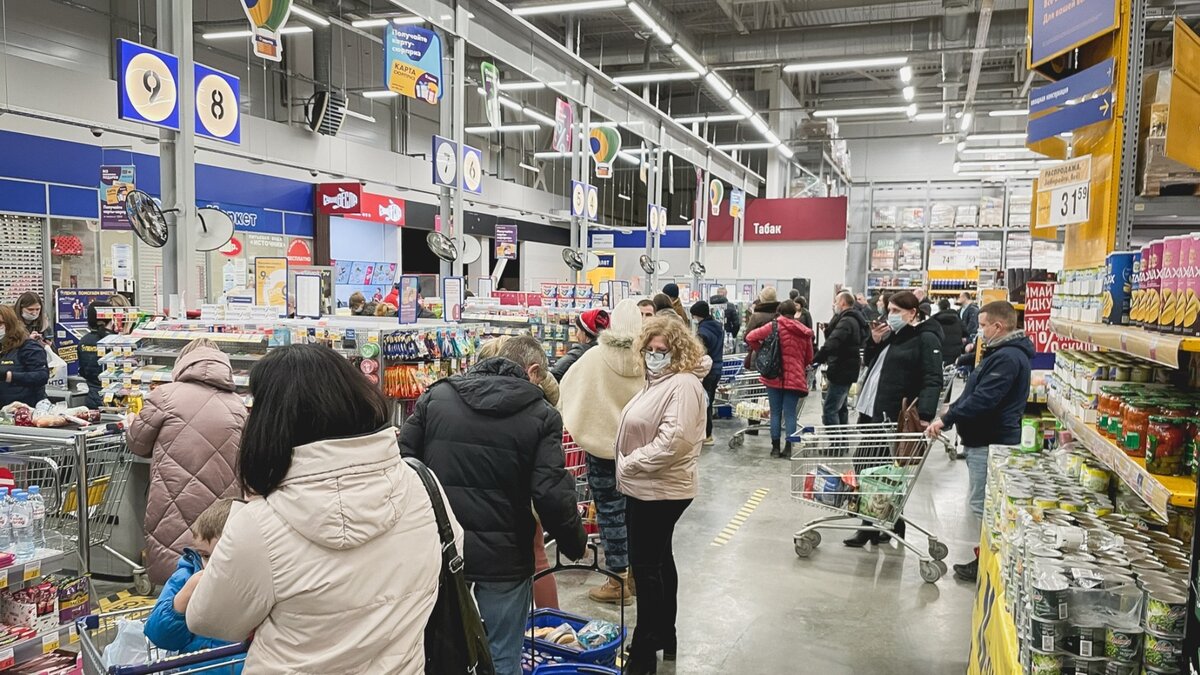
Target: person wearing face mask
[
  {"x": 29, "y": 308},
  {"x": 904, "y": 362},
  {"x": 89, "y": 356},
  {"x": 989, "y": 410},
  {"x": 784, "y": 392},
  {"x": 657, "y": 451},
  {"x": 24, "y": 371}
]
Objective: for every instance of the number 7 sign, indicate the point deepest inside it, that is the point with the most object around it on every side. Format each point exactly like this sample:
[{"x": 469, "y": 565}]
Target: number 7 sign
[{"x": 218, "y": 97}]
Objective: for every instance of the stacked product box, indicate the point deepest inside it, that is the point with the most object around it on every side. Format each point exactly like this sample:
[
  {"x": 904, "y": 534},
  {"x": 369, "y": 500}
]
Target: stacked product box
[
  {"x": 1078, "y": 295},
  {"x": 1165, "y": 285}
]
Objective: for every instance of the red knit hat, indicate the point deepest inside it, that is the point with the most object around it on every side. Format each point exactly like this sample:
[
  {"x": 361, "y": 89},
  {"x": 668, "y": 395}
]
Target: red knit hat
[{"x": 592, "y": 321}]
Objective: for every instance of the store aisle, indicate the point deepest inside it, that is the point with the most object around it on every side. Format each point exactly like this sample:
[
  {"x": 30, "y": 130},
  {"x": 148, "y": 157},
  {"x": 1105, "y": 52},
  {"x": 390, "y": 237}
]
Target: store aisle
[{"x": 751, "y": 606}]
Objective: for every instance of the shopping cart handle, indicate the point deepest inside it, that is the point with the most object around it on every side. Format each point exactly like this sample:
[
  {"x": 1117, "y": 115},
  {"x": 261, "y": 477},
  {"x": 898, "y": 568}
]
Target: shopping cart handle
[
  {"x": 184, "y": 660},
  {"x": 560, "y": 566}
]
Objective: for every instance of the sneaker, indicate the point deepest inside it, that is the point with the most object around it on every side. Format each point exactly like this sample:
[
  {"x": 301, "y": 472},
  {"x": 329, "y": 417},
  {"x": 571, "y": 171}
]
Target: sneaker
[
  {"x": 610, "y": 592},
  {"x": 967, "y": 571},
  {"x": 710, "y": 441}
]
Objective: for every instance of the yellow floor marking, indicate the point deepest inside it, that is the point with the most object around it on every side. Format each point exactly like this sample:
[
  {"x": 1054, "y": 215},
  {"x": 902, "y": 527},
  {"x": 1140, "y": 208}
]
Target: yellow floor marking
[{"x": 740, "y": 518}]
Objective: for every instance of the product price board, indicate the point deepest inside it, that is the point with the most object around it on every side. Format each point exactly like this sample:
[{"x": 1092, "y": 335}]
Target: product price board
[{"x": 1063, "y": 193}]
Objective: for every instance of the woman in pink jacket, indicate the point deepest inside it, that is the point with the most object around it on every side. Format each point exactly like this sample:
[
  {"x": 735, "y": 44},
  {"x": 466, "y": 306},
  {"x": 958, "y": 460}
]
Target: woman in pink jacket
[
  {"x": 190, "y": 429},
  {"x": 784, "y": 392},
  {"x": 657, "y": 452}
]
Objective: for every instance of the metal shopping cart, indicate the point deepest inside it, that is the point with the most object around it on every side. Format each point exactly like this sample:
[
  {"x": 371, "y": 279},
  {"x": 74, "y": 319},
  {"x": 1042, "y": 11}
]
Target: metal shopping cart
[
  {"x": 97, "y": 631},
  {"x": 861, "y": 472},
  {"x": 66, "y": 463},
  {"x": 747, "y": 397},
  {"x": 575, "y": 459}
]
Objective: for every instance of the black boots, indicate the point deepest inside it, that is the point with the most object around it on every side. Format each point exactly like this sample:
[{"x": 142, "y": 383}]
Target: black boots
[
  {"x": 775, "y": 448},
  {"x": 787, "y": 450},
  {"x": 641, "y": 663},
  {"x": 862, "y": 538},
  {"x": 967, "y": 571}
]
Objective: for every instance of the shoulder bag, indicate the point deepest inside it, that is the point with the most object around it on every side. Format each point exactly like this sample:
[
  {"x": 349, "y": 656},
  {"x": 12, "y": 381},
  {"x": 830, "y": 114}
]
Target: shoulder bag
[
  {"x": 455, "y": 640},
  {"x": 768, "y": 360}
]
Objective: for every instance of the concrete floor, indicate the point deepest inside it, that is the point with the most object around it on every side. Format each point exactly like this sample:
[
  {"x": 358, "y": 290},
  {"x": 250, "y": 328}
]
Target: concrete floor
[{"x": 752, "y": 606}]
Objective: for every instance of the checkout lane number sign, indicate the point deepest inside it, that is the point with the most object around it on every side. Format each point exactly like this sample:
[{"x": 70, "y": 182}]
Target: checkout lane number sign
[
  {"x": 218, "y": 97},
  {"x": 148, "y": 86}
]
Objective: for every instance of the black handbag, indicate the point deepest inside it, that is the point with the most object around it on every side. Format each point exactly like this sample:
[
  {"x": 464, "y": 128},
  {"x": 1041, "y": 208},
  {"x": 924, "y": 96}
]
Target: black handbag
[{"x": 455, "y": 640}]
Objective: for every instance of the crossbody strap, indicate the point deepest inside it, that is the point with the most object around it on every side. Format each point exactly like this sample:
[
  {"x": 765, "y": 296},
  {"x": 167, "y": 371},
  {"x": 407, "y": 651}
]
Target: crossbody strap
[{"x": 450, "y": 557}]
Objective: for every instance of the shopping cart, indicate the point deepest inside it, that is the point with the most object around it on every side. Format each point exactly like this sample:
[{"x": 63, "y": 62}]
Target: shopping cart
[
  {"x": 747, "y": 396},
  {"x": 949, "y": 374},
  {"x": 52, "y": 459},
  {"x": 575, "y": 459},
  {"x": 861, "y": 472},
  {"x": 97, "y": 631}
]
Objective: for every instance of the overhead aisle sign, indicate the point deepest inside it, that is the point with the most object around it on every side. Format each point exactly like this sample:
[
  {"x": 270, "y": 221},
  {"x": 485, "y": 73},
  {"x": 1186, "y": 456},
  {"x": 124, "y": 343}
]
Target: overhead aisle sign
[
  {"x": 218, "y": 96},
  {"x": 1070, "y": 118},
  {"x": 148, "y": 88},
  {"x": 1059, "y": 26}
]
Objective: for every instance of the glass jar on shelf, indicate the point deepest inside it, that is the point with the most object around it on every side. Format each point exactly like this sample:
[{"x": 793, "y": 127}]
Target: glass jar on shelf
[
  {"x": 1166, "y": 439},
  {"x": 1135, "y": 422}
]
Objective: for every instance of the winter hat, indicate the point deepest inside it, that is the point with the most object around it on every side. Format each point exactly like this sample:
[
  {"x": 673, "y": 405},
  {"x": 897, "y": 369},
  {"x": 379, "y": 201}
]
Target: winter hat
[
  {"x": 767, "y": 294},
  {"x": 701, "y": 310},
  {"x": 592, "y": 321},
  {"x": 672, "y": 291}
]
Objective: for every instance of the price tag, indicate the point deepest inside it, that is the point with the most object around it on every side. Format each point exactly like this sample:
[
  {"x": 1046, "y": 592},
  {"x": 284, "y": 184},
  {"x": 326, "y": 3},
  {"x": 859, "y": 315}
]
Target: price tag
[
  {"x": 33, "y": 570},
  {"x": 1070, "y": 204},
  {"x": 3, "y": 582},
  {"x": 49, "y": 642},
  {"x": 7, "y": 659},
  {"x": 73, "y": 634},
  {"x": 1064, "y": 193}
]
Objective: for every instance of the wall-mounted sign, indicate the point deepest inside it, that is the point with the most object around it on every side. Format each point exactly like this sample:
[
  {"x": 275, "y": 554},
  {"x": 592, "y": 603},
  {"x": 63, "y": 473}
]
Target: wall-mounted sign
[
  {"x": 339, "y": 199},
  {"x": 506, "y": 241},
  {"x": 381, "y": 208},
  {"x": 148, "y": 87},
  {"x": 472, "y": 169},
  {"x": 218, "y": 96},
  {"x": 413, "y": 62},
  {"x": 605, "y": 144},
  {"x": 792, "y": 219},
  {"x": 593, "y": 202},
  {"x": 716, "y": 194},
  {"x": 1063, "y": 193},
  {"x": 248, "y": 218},
  {"x": 299, "y": 252},
  {"x": 1070, "y": 118},
  {"x": 490, "y": 77},
  {"x": 564, "y": 123},
  {"x": 267, "y": 18},
  {"x": 445, "y": 162},
  {"x": 1059, "y": 26},
  {"x": 115, "y": 183}
]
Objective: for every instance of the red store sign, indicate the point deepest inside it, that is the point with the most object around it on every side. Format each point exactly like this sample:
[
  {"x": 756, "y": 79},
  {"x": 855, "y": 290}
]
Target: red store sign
[
  {"x": 349, "y": 200},
  {"x": 795, "y": 219}
]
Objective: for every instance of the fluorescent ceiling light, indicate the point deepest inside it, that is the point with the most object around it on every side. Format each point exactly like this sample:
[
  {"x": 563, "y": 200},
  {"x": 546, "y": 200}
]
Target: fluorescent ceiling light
[
  {"x": 624, "y": 196},
  {"x": 719, "y": 86},
  {"x": 785, "y": 151},
  {"x": 230, "y": 34},
  {"x": 379, "y": 93},
  {"x": 995, "y": 149},
  {"x": 503, "y": 129},
  {"x": 771, "y": 138},
  {"x": 369, "y": 23},
  {"x": 741, "y": 107},
  {"x": 550, "y": 154},
  {"x": 691, "y": 61},
  {"x": 714, "y": 117},
  {"x": 851, "y": 64},
  {"x": 521, "y": 86},
  {"x": 358, "y": 115},
  {"x": 568, "y": 7},
  {"x": 995, "y": 137},
  {"x": 649, "y": 22},
  {"x": 861, "y": 112},
  {"x": 961, "y": 146},
  {"x": 911, "y": 110},
  {"x": 511, "y": 104},
  {"x": 1008, "y": 113},
  {"x": 906, "y": 74},
  {"x": 529, "y": 167},
  {"x": 629, "y": 158},
  {"x": 671, "y": 75},
  {"x": 964, "y": 124},
  {"x": 309, "y": 15},
  {"x": 910, "y": 92},
  {"x": 929, "y": 117},
  {"x": 408, "y": 20},
  {"x": 537, "y": 116},
  {"x": 747, "y": 146}
]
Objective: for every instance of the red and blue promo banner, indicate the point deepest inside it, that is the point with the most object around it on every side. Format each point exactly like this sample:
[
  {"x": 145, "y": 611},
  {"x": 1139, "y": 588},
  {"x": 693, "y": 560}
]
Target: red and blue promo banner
[
  {"x": 1059, "y": 26},
  {"x": 413, "y": 62}
]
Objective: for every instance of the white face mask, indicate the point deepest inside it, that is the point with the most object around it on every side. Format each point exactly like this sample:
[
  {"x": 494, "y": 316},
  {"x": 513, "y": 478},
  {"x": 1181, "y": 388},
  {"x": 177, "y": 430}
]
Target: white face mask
[
  {"x": 30, "y": 316},
  {"x": 896, "y": 322},
  {"x": 657, "y": 361}
]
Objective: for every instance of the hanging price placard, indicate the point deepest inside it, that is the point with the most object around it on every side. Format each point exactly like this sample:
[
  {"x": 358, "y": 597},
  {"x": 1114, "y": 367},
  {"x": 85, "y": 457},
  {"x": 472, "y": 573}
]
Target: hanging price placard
[{"x": 1064, "y": 192}]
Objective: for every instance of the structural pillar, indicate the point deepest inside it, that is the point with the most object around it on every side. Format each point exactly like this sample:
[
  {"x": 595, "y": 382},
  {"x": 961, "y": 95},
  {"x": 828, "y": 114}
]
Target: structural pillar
[{"x": 177, "y": 165}]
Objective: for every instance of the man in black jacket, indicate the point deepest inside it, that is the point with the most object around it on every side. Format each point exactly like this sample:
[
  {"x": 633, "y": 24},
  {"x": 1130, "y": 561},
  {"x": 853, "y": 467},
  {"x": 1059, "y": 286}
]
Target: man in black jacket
[
  {"x": 496, "y": 446},
  {"x": 990, "y": 407},
  {"x": 842, "y": 356},
  {"x": 970, "y": 316},
  {"x": 712, "y": 335},
  {"x": 731, "y": 315}
]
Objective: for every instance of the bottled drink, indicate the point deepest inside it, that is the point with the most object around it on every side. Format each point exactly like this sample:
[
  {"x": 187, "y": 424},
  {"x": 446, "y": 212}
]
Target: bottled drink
[
  {"x": 22, "y": 527},
  {"x": 5, "y": 533},
  {"x": 37, "y": 507}
]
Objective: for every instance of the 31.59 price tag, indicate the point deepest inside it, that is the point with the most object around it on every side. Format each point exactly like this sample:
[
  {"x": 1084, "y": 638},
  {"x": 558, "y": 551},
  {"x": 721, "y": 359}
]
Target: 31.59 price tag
[
  {"x": 1063, "y": 193},
  {"x": 1069, "y": 205}
]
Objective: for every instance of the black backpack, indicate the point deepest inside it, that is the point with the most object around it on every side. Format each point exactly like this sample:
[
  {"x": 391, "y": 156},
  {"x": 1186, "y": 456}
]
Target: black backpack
[{"x": 768, "y": 360}]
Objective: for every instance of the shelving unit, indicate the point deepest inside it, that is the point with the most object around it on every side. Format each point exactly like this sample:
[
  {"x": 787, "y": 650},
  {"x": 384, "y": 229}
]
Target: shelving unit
[{"x": 1158, "y": 347}]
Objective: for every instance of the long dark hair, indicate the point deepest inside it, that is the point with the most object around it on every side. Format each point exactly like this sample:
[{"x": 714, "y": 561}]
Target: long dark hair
[
  {"x": 907, "y": 300},
  {"x": 302, "y": 394}
]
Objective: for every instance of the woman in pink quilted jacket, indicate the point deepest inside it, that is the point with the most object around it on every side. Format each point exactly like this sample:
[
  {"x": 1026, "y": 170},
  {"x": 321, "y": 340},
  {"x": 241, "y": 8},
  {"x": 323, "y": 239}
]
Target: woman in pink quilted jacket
[{"x": 190, "y": 429}]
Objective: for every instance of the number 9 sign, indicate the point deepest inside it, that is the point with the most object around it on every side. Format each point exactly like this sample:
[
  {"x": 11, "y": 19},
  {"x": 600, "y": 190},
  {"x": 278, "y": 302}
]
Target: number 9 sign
[
  {"x": 147, "y": 87},
  {"x": 217, "y": 100}
]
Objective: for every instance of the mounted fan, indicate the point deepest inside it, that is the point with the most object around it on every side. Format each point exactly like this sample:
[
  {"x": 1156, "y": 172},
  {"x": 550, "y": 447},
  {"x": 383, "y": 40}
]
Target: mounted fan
[
  {"x": 216, "y": 229},
  {"x": 471, "y": 251},
  {"x": 697, "y": 268},
  {"x": 646, "y": 263},
  {"x": 573, "y": 259},
  {"x": 442, "y": 246},
  {"x": 147, "y": 218}
]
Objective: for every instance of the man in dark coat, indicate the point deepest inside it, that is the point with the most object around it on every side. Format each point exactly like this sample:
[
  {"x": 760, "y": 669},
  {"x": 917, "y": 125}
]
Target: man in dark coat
[
  {"x": 587, "y": 327},
  {"x": 952, "y": 333},
  {"x": 712, "y": 335},
  {"x": 496, "y": 446},
  {"x": 969, "y": 314},
  {"x": 733, "y": 319},
  {"x": 990, "y": 407},
  {"x": 842, "y": 355}
]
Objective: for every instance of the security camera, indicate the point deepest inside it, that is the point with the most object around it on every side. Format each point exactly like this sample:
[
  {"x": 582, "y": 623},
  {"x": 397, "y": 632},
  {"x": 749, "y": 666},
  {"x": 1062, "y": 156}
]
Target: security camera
[
  {"x": 314, "y": 172},
  {"x": 96, "y": 131},
  {"x": 362, "y": 183}
]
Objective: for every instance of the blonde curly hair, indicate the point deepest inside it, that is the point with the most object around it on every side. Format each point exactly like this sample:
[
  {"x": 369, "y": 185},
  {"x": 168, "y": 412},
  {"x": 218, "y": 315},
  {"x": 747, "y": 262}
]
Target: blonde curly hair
[{"x": 686, "y": 350}]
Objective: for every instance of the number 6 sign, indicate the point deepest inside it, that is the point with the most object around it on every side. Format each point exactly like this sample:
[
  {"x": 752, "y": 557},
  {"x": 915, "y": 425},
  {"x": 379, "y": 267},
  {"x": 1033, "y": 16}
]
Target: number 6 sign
[{"x": 218, "y": 96}]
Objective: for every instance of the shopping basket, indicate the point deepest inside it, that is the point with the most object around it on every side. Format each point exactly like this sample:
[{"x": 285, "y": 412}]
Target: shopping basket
[
  {"x": 96, "y": 631},
  {"x": 539, "y": 653},
  {"x": 574, "y": 669}
]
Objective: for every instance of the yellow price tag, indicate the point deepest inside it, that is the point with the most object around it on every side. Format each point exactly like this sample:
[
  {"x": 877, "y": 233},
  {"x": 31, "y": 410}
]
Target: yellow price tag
[
  {"x": 49, "y": 642},
  {"x": 73, "y": 633},
  {"x": 32, "y": 571},
  {"x": 4, "y": 579}
]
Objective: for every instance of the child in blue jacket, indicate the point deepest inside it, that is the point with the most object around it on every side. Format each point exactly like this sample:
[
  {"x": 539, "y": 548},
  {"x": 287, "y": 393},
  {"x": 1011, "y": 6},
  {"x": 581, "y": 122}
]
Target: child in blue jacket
[{"x": 166, "y": 626}]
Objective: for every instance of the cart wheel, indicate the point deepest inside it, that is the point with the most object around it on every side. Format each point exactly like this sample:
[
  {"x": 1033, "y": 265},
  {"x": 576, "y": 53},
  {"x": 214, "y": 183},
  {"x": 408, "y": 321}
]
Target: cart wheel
[
  {"x": 931, "y": 571},
  {"x": 938, "y": 550},
  {"x": 142, "y": 584},
  {"x": 942, "y": 566},
  {"x": 804, "y": 547},
  {"x": 813, "y": 536},
  {"x": 736, "y": 442}
]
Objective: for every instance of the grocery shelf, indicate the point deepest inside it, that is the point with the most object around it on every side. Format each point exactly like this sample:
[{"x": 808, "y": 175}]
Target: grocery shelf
[
  {"x": 1157, "y": 347},
  {"x": 42, "y": 643},
  {"x": 1166, "y": 212},
  {"x": 1156, "y": 491},
  {"x": 17, "y": 575}
]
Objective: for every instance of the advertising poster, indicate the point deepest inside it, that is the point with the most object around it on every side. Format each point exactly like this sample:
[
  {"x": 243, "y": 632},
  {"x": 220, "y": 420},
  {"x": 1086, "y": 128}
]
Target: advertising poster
[
  {"x": 605, "y": 143},
  {"x": 270, "y": 283},
  {"x": 413, "y": 62},
  {"x": 116, "y": 181},
  {"x": 267, "y": 18},
  {"x": 490, "y": 76},
  {"x": 72, "y": 304},
  {"x": 454, "y": 296},
  {"x": 716, "y": 194},
  {"x": 410, "y": 291},
  {"x": 506, "y": 242},
  {"x": 737, "y": 203},
  {"x": 564, "y": 123}
]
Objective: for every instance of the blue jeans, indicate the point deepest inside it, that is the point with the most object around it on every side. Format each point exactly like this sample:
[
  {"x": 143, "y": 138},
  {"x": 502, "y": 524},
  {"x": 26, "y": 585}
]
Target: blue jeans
[
  {"x": 834, "y": 410},
  {"x": 783, "y": 405},
  {"x": 977, "y": 470},
  {"x": 504, "y": 607},
  {"x": 610, "y": 512}
]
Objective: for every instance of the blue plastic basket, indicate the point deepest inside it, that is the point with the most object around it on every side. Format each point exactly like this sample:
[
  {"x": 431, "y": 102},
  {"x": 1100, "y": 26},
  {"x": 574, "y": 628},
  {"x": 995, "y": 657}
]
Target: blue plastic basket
[
  {"x": 575, "y": 669},
  {"x": 549, "y": 653}
]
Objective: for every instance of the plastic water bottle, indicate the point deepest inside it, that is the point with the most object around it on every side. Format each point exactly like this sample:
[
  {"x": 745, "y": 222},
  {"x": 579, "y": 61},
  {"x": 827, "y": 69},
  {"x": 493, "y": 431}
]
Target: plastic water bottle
[
  {"x": 22, "y": 527},
  {"x": 37, "y": 507},
  {"x": 5, "y": 532}
]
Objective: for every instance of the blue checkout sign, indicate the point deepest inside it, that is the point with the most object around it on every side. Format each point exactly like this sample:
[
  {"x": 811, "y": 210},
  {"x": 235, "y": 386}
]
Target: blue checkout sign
[
  {"x": 218, "y": 99},
  {"x": 148, "y": 86}
]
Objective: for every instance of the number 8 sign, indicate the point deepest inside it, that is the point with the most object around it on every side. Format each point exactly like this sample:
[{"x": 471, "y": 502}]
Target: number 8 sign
[{"x": 217, "y": 105}]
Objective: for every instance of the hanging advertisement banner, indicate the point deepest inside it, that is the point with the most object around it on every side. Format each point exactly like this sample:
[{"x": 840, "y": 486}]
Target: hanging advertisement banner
[
  {"x": 506, "y": 242},
  {"x": 72, "y": 322},
  {"x": 489, "y": 74},
  {"x": 115, "y": 182},
  {"x": 605, "y": 143},
  {"x": 737, "y": 203},
  {"x": 716, "y": 194},
  {"x": 410, "y": 308},
  {"x": 454, "y": 296},
  {"x": 564, "y": 125},
  {"x": 1059, "y": 26},
  {"x": 413, "y": 62},
  {"x": 270, "y": 282},
  {"x": 267, "y": 18}
]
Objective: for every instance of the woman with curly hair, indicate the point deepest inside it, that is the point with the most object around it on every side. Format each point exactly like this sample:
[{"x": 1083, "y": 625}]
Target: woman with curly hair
[{"x": 657, "y": 451}]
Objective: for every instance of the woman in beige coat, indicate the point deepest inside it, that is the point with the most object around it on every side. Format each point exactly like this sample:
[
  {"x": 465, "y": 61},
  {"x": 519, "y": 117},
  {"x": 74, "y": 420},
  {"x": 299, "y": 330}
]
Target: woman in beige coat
[
  {"x": 190, "y": 430},
  {"x": 594, "y": 392},
  {"x": 658, "y": 449},
  {"x": 333, "y": 564}
]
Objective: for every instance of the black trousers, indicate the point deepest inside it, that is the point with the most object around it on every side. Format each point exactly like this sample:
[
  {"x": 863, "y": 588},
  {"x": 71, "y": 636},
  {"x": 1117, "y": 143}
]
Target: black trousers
[
  {"x": 651, "y": 527},
  {"x": 710, "y": 382}
]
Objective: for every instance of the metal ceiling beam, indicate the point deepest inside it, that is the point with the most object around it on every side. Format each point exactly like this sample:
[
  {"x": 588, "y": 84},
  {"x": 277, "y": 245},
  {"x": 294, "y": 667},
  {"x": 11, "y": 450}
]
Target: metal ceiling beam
[
  {"x": 731, "y": 12},
  {"x": 981, "y": 38}
]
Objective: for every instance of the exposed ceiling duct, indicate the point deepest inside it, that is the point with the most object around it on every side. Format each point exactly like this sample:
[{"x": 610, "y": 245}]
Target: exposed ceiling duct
[{"x": 955, "y": 22}]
